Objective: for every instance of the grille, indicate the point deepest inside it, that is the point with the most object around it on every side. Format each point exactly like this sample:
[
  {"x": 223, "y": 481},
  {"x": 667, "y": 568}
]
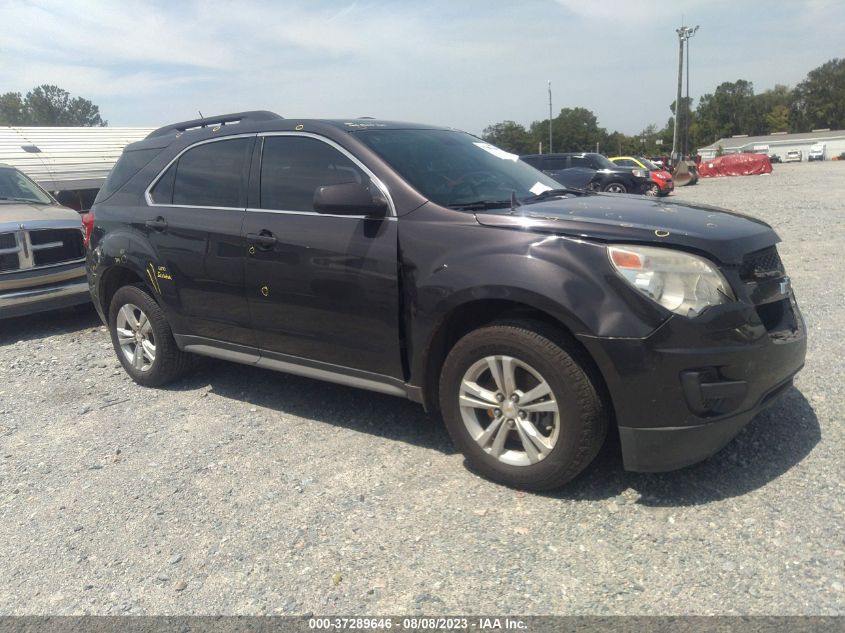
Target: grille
[
  {"x": 8, "y": 252},
  {"x": 53, "y": 246},
  {"x": 761, "y": 264}
]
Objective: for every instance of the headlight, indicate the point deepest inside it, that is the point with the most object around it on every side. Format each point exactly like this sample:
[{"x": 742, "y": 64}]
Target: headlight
[
  {"x": 639, "y": 173},
  {"x": 683, "y": 283}
]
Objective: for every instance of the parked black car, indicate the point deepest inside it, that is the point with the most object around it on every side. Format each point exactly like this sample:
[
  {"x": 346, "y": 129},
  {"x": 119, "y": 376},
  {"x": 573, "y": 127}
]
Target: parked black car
[
  {"x": 608, "y": 177},
  {"x": 425, "y": 263}
]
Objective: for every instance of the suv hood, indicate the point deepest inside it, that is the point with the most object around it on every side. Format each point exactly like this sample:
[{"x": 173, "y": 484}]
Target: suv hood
[{"x": 633, "y": 219}]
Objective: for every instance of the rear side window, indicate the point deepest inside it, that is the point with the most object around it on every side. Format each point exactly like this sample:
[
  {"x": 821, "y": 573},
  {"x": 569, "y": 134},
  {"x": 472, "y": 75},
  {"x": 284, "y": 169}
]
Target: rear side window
[
  {"x": 129, "y": 164},
  {"x": 294, "y": 167},
  {"x": 553, "y": 164},
  {"x": 210, "y": 175},
  {"x": 162, "y": 193}
]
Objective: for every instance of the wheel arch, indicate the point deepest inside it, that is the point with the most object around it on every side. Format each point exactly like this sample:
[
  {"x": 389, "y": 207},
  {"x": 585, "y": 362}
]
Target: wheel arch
[
  {"x": 123, "y": 259},
  {"x": 471, "y": 315},
  {"x": 117, "y": 276}
]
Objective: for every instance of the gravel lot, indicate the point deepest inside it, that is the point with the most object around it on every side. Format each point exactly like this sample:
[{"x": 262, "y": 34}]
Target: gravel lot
[{"x": 242, "y": 491}]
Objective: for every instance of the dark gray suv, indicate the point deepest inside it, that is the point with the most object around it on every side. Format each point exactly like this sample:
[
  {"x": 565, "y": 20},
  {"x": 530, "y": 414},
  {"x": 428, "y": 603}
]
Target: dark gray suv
[{"x": 425, "y": 263}]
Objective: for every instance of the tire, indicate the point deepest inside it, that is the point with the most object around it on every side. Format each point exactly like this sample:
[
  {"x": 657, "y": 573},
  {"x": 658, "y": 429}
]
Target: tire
[
  {"x": 160, "y": 361},
  {"x": 615, "y": 187},
  {"x": 567, "y": 414},
  {"x": 653, "y": 190}
]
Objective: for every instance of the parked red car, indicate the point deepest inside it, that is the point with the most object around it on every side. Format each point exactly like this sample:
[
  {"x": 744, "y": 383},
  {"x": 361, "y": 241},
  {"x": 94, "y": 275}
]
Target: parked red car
[{"x": 662, "y": 183}]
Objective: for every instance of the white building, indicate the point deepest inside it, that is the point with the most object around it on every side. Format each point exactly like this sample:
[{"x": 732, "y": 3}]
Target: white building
[
  {"x": 779, "y": 143},
  {"x": 72, "y": 162}
]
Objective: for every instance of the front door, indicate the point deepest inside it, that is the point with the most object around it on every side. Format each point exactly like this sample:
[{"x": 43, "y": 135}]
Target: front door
[{"x": 319, "y": 287}]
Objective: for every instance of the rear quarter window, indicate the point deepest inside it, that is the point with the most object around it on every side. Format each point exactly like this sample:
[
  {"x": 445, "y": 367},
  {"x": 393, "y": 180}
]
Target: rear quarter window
[{"x": 129, "y": 164}]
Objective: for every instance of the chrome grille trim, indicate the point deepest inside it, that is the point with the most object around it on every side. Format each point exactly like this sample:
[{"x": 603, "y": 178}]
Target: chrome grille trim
[{"x": 26, "y": 250}]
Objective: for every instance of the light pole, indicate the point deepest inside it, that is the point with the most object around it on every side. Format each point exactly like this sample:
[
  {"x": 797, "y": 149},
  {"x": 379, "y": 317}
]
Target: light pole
[
  {"x": 550, "y": 115},
  {"x": 687, "y": 114},
  {"x": 684, "y": 33}
]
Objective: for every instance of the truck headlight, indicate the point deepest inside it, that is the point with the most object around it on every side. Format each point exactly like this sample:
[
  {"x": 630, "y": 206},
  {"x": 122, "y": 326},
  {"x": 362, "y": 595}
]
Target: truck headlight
[{"x": 683, "y": 283}]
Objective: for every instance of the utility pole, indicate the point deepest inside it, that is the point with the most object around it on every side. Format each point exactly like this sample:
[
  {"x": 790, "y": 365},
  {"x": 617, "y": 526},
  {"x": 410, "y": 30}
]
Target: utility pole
[{"x": 550, "y": 116}]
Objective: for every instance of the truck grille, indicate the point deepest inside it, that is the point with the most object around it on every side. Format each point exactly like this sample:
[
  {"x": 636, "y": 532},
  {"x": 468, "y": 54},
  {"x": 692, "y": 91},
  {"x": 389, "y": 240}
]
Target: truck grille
[
  {"x": 23, "y": 250},
  {"x": 8, "y": 252},
  {"x": 54, "y": 246}
]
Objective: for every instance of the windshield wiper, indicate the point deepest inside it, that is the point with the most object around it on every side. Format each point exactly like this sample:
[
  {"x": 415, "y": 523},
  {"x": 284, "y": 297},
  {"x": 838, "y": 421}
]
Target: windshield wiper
[
  {"x": 22, "y": 200},
  {"x": 554, "y": 193},
  {"x": 481, "y": 205}
]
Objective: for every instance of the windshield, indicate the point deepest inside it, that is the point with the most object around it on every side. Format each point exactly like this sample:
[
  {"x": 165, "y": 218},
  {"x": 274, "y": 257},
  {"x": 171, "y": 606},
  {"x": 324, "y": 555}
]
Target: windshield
[
  {"x": 649, "y": 165},
  {"x": 604, "y": 162},
  {"x": 16, "y": 187},
  {"x": 455, "y": 169}
]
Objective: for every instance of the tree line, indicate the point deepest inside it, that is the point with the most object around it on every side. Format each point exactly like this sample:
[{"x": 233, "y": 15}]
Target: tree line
[
  {"x": 732, "y": 108},
  {"x": 48, "y": 106}
]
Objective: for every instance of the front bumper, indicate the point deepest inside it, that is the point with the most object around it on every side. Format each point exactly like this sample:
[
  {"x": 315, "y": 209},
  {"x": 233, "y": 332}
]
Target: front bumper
[
  {"x": 23, "y": 301},
  {"x": 686, "y": 390}
]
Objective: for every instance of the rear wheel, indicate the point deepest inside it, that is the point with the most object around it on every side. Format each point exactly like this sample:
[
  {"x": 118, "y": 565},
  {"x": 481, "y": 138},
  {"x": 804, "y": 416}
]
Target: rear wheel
[
  {"x": 520, "y": 407},
  {"x": 616, "y": 187},
  {"x": 142, "y": 338}
]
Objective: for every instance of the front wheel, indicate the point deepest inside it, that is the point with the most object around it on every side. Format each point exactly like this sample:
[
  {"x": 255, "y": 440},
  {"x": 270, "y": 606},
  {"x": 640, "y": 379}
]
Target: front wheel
[
  {"x": 653, "y": 190},
  {"x": 616, "y": 187},
  {"x": 520, "y": 404}
]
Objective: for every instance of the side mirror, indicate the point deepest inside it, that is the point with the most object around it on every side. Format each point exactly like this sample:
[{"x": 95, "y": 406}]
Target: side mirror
[{"x": 349, "y": 199}]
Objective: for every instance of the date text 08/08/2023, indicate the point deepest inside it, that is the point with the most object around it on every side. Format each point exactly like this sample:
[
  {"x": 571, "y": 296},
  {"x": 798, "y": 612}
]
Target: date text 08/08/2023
[{"x": 417, "y": 623}]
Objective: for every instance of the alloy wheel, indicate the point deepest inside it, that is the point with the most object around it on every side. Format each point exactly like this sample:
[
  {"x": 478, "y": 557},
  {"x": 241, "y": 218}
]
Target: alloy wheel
[
  {"x": 509, "y": 409},
  {"x": 136, "y": 337}
]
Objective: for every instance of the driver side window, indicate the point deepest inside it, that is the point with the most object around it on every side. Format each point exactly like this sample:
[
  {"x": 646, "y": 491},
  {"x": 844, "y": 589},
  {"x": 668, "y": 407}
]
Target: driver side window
[{"x": 294, "y": 167}]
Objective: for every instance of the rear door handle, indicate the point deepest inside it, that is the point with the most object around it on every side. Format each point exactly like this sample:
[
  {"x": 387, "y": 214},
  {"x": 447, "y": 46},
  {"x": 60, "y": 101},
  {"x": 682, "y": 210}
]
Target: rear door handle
[
  {"x": 159, "y": 224},
  {"x": 265, "y": 238}
]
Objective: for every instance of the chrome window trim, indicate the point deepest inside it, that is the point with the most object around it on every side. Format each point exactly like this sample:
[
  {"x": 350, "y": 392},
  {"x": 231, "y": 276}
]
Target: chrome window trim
[
  {"x": 373, "y": 178},
  {"x": 147, "y": 192}
]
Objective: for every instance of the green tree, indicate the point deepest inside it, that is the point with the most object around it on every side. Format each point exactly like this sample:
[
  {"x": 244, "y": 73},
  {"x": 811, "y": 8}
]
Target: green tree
[
  {"x": 777, "y": 119},
  {"x": 772, "y": 110},
  {"x": 819, "y": 100},
  {"x": 48, "y": 106},
  {"x": 11, "y": 109},
  {"x": 573, "y": 130},
  {"x": 510, "y": 136},
  {"x": 729, "y": 110}
]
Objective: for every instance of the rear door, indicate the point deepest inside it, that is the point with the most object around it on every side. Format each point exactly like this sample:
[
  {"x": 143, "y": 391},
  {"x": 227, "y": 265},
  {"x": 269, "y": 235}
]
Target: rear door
[
  {"x": 194, "y": 219},
  {"x": 319, "y": 287}
]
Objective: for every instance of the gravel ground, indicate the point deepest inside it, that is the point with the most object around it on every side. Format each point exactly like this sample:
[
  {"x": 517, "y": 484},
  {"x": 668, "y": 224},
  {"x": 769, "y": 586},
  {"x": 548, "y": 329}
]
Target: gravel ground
[{"x": 242, "y": 491}]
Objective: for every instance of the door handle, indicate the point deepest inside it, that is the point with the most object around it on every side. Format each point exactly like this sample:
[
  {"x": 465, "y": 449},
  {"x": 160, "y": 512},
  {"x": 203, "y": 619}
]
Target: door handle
[
  {"x": 159, "y": 224},
  {"x": 265, "y": 239}
]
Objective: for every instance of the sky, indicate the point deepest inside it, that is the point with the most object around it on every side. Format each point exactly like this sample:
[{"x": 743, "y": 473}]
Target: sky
[{"x": 460, "y": 63}]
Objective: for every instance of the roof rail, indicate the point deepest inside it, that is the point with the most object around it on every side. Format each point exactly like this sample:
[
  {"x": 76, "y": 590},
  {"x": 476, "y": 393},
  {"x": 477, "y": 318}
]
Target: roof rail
[{"x": 224, "y": 119}]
